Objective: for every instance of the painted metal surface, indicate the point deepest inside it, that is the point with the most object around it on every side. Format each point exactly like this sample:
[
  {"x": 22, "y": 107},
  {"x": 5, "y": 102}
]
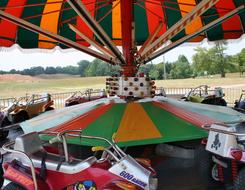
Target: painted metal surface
[{"x": 157, "y": 120}]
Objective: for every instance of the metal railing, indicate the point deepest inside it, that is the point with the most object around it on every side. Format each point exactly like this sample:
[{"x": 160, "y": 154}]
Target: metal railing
[
  {"x": 231, "y": 94},
  {"x": 59, "y": 98}
]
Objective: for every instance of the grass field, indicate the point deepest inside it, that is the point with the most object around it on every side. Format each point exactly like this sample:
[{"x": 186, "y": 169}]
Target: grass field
[
  {"x": 55, "y": 83},
  {"x": 17, "y": 85}
]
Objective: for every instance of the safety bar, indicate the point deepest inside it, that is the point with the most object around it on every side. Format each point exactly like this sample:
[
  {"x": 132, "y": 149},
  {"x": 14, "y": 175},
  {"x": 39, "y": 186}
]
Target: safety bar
[
  {"x": 112, "y": 144},
  {"x": 61, "y": 136},
  {"x": 208, "y": 128},
  {"x": 8, "y": 127},
  {"x": 6, "y": 147}
]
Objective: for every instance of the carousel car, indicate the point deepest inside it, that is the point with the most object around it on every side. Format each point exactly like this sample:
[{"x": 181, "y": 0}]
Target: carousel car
[
  {"x": 39, "y": 166},
  {"x": 22, "y": 109},
  {"x": 202, "y": 94},
  {"x": 82, "y": 97},
  {"x": 240, "y": 104},
  {"x": 224, "y": 160}
]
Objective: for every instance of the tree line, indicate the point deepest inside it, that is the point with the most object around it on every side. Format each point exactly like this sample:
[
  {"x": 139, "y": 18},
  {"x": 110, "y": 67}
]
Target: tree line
[
  {"x": 204, "y": 62},
  {"x": 84, "y": 68}
]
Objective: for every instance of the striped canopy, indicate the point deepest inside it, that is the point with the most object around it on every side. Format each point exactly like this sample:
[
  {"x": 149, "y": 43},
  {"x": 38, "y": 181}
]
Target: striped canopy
[
  {"x": 54, "y": 16},
  {"x": 145, "y": 29},
  {"x": 157, "y": 120}
]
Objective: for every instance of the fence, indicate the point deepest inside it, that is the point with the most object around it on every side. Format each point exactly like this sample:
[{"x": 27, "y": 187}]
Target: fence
[
  {"x": 59, "y": 98},
  {"x": 231, "y": 94}
]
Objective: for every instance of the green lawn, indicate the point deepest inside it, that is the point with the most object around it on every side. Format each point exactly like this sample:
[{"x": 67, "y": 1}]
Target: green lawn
[
  {"x": 59, "y": 83},
  {"x": 12, "y": 88},
  {"x": 179, "y": 83}
]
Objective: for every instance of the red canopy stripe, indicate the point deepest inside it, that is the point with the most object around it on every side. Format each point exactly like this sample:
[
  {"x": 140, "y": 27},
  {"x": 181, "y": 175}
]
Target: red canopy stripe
[
  {"x": 10, "y": 29},
  {"x": 82, "y": 26},
  {"x": 191, "y": 117},
  {"x": 153, "y": 21},
  {"x": 232, "y": 27},
  {"x": 82, "y": 121}
]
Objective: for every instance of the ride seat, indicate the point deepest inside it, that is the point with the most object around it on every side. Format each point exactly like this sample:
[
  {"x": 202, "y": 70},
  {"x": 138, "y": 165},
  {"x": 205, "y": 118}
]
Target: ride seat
[{"x": 31, "y": 145}]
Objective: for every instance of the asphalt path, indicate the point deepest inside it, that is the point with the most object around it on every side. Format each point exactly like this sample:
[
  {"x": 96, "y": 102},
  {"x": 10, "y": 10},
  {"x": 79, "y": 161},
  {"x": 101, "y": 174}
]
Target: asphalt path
[{"x": 173, "y": 173}]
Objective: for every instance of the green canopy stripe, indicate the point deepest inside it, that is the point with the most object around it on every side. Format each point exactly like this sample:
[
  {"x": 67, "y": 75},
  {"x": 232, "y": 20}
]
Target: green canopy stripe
[
  {"x": 210, "y": 15},
  {"x": 141, "y": 25},
  {"x": 26, "y": 38},
  {"x": 105, "y": 126},
  {"x": 64, "y": 30},
  {"x": 3, "y": 3},
  {"x": 101, "y": 11},
  {"x": 173, "y": 15}
]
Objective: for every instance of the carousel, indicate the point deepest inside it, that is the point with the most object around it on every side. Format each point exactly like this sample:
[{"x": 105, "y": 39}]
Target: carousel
[{"x": 128, "y": 33}]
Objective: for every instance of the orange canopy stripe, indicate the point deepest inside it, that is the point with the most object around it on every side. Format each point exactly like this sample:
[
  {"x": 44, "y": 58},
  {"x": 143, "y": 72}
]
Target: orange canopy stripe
[
  {"x": 187, "y": 6},
  {"x": 136, "y": 125},
  {"x": 49, "y": 22},
  {"x": 116, "y": 19}
]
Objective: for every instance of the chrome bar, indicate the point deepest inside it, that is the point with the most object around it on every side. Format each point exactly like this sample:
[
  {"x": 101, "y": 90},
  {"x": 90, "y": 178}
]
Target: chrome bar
[
  {"x": 66, "y": 133},
  {"x": 223, "y": 131}
]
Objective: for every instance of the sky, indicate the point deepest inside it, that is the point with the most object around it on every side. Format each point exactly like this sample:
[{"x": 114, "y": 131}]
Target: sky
[{"x": 15, "y": 58}]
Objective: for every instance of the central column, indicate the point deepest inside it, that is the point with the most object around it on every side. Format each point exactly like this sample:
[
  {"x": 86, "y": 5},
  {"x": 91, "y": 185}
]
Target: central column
[{"x": 127, "y": 8}]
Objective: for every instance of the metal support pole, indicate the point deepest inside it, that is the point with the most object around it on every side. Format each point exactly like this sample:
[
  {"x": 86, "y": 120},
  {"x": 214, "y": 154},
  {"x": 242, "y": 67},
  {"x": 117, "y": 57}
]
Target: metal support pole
[
  {"x": 151, "y": 38},
  {"x": 164, "y": 68},
  {"x": 56, "y": 37},
  {"x": 92, "y": 42},
  {"x": 82, "y": 11},
  {"x": 198, "y": 10},
  {"x": 190, "y": 36}
]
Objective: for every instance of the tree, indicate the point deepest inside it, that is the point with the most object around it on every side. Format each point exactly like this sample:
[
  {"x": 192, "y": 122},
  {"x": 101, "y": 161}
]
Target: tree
[
  {"x": 33, "y": 71},
  {"x": 59, "y": 69},
  {"x": 50, "y": 70},
  {"x": 113, "y": 69},
  {"x": 181, "y": 68},
  {"x": 13, "y": 71},
  {"x": 71, "y": 70},
  {"x": 219, "y": 56},
  {"x": 202, "y": 61},
  {"x": 212, "y": 60},
  {"x": 241, "y": 61},
  {"x": 146, "y": 68},
  {"x": 82, "y": 66}
]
